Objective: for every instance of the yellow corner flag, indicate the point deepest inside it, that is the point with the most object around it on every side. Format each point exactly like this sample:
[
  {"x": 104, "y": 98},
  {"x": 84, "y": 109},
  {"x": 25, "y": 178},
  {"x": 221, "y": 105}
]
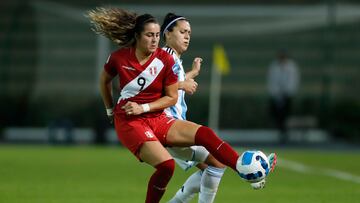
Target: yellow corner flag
[{"x": 220, "y": 60}]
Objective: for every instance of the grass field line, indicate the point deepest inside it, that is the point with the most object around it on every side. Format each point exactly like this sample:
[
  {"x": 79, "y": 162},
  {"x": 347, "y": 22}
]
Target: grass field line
[{"x": 302, "y": 168}]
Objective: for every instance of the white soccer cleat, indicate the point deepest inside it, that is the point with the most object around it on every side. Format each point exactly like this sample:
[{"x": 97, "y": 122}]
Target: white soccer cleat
[{"x": 258, "y": 185}]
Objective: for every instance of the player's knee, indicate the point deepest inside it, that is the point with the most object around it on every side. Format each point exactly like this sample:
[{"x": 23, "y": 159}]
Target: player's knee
[{"x": 166, "y": 168}]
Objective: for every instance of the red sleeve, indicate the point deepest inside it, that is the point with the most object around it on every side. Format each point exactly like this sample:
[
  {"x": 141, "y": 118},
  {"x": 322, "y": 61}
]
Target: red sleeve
[
  {"x": 170, "y": 76},
  {"x": 109, "y": 68}
]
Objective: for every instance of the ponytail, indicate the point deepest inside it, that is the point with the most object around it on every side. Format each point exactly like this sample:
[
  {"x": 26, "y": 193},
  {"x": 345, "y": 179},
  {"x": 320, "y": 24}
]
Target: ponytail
[
  {"x": 114, "y": 23},
  {"x": 119, "y": 25}
]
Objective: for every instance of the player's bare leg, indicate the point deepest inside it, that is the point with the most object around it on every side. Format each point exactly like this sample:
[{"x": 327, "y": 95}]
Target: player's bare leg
[{"x": 186, "y": 133}]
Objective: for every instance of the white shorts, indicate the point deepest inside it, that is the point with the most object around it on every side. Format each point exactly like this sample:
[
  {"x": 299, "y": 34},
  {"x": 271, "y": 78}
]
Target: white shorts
[{"x": 187, "y": 157}]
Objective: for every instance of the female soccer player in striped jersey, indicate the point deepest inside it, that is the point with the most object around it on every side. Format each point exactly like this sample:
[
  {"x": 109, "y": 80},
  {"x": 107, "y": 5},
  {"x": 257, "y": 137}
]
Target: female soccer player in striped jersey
[
  {"x": 176, "y": 32},
  {"x": 148, "y": 84}
]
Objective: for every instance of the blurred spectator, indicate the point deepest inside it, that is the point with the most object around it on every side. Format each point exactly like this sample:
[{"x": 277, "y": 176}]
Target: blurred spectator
[{"x": 282, "y": 82}]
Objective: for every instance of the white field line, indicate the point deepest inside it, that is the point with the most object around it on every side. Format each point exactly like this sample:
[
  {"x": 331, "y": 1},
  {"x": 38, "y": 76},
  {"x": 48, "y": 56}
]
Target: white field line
[{"x": 302, "y": 168}]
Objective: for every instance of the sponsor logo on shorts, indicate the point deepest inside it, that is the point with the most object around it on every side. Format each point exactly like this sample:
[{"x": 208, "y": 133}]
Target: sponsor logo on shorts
[{"x": 149, "y": 134}]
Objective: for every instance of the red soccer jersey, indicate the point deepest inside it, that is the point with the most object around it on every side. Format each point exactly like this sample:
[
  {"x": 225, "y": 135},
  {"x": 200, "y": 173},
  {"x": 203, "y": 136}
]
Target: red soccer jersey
[{"x": 141, "y": 83}]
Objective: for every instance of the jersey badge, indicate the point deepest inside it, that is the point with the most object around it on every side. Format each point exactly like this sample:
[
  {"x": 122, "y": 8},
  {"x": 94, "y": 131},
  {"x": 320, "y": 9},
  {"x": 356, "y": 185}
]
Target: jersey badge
[{"x": 153, "y": 70}]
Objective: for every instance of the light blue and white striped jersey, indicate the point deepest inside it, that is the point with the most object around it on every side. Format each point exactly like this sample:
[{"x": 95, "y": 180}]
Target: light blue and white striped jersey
[{"x": 179, "y": 110}]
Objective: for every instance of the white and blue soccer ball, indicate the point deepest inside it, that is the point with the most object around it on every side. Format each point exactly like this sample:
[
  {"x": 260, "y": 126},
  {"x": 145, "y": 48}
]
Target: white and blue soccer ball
[{"x": 253, "y": 166}]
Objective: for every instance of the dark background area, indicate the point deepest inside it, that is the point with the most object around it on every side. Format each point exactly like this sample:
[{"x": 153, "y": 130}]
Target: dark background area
[{"x": 48, "y": 67}]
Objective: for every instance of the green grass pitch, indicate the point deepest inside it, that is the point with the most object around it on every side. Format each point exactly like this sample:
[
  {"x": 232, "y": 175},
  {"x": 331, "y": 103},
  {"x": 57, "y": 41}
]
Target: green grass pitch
[{"x": 44, "y": 174}]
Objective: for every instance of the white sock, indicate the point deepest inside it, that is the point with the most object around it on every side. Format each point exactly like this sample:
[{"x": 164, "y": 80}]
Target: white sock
[
  {"x": 187, "y": 192},
  {"x": 210, "y": 181}
]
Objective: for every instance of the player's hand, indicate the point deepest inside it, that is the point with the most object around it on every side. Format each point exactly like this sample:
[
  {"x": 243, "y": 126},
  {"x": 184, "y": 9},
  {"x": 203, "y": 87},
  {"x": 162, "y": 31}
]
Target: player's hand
[
  {"x": 196, "y": 66},
  {"x": 132, "y": 108},
  {"x": 258, "y": 185},
  {"x": 190, "y": 86}
]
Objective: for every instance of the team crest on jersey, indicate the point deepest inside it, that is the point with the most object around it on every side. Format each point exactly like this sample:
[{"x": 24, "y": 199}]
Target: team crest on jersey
[
  {"x": 153, "y": 70},
  {"x": 149, "y": 134}
]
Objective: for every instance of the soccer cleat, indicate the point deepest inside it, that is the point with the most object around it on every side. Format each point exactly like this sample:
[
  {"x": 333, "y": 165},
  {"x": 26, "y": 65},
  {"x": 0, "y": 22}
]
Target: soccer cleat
[
  {"x": 272, "y": 161},
  {"x": 258, "y": 185}
]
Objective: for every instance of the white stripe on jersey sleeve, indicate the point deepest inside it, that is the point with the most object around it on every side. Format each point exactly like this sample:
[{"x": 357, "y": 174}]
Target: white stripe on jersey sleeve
[{"x": 179, "y": 110}]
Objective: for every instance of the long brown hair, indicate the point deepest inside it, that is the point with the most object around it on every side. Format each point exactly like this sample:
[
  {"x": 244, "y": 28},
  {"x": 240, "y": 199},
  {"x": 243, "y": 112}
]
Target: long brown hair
[{"x": 119, "y": 25}]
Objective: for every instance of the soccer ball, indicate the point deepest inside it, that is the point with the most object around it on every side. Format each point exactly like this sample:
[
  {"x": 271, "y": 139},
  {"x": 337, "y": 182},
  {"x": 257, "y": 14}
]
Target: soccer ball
[{"x": 253, "y": 166}]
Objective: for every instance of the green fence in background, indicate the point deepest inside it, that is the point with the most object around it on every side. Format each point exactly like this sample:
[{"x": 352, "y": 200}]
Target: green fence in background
[{"x": 49, "y": 62}]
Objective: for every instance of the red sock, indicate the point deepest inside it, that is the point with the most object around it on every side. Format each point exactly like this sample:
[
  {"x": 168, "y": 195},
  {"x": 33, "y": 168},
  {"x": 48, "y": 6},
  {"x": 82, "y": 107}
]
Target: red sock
[
  {"x": 159, "y": 180},
  {"x": 221, "y": 150}
]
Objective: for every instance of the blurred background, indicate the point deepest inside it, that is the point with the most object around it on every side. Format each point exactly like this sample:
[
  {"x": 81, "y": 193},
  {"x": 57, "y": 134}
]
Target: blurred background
[{"x": 50, "y": 62}]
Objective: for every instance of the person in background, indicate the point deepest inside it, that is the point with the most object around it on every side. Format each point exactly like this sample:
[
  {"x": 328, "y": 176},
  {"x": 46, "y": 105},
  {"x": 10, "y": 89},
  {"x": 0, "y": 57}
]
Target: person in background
[{"x": 282, "y": 83}]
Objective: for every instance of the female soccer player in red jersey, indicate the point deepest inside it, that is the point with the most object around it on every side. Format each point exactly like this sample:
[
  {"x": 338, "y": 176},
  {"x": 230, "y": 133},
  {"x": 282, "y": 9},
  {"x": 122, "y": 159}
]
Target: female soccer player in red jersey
[{"x": 148, "y": 84}]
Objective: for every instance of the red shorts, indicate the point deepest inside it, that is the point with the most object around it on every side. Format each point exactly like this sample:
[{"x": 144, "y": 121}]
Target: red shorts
[{"x": 133, "y": 131}]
